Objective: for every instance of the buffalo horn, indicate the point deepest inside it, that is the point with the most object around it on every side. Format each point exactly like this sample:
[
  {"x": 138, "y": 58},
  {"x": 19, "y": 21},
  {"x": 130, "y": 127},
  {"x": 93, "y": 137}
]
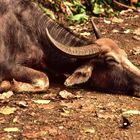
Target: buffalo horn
[
  {"x": 86, "y": 51},
  {"x": 95, "y": 29}
]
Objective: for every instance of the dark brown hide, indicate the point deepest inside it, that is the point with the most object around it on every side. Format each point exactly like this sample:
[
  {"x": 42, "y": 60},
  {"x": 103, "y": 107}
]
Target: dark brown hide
[{"x": 25, "y": 48}]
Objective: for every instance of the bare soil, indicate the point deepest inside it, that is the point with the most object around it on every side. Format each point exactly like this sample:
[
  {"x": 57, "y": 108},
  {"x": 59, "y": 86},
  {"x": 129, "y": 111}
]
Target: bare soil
[{"x": 87, "y": 115}]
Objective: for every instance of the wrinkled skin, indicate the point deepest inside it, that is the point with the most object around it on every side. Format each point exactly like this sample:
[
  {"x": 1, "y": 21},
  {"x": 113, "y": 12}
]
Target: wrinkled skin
[{"x": 110, "y": 71}]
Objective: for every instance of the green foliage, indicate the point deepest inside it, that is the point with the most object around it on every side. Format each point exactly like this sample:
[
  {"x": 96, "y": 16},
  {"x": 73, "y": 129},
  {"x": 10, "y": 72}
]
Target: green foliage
[
  {"x": 47, "y": 11},
  {"x": 102, "y": 7},
  {"x": 78, "y": 18},
  {"x": 137, "y": 4},
  {"x": 79, "y": 10}
]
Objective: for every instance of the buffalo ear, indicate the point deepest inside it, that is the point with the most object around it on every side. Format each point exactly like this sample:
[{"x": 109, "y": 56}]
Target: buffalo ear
[{"x": 79, "y": 76}]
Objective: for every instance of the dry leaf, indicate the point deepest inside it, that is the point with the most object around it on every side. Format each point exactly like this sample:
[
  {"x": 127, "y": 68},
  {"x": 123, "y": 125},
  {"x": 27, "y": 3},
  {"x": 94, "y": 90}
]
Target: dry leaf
[
  {"x": 66, "y": 95},
  {"x": 123, "y": 12},
  {"x": 127, "y": 31},
  {"x": 22, "y": 104},
  {"x": 117, "y": 20},
  {"x": 131, "y": 112},
  {"x": 135, "y": 51},
  {"x": 51, "y": 1},
  {"x": 6, "y": 95},
  {"x": 107, "y": 21},
  {"x": 89, "y": 130},
  {"x": 41, "y": 101},
  {"x": 136, "y": 38},
  {"x": 7, "y": 110},
  {"x": 137, "y": 31},
  {"x": 85, "y": 34},
  {"x": 49, "y": 96},
  {"x": 11, "y": 129},
  {"x": 115, "y": 31}
]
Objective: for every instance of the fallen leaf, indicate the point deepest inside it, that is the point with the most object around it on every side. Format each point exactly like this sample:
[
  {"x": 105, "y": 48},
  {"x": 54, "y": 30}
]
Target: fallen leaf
[
  {"x": 107, "y": 21},
  {"x": 61, "y": 127},
  {"x": 89, "y": 130},
  {"x": 136, "y": 16},
  {"x": 137, "y": 31},
  {"x": 22, "y": 104},
  {"x": 65, "y": 111},
  {"x": 49, "y": 96},
  {"x": 66, "y": 95},
  {"x": 41, "y": 101},
  {"x": 135, "y": 51},
  {"x": 115, "y": 31},
  {"x": 127, "y": 31},
  {"x": 123, "y": 12},
  {"x": 138, "y": 9},
  {"x": 131, "y": 112},
  {"x": 136, "y": 38},
  {"x": 6, "y": 95},
  {"x": 7, "y": 110},
  {"x": 65, "y": 114},
  {"x": 51, "y": 1},
  {"x": 117, "y": 20},
  {"x": 11, "y": 129},
  {"x": 85, "y": 34},
  {"x": 16, "y": 119}
]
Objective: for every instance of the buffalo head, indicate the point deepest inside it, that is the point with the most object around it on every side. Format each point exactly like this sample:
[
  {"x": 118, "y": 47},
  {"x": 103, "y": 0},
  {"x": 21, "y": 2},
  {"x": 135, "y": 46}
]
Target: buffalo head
[
  {"x": 107, "y": 67},
  {"x": 109, "y": 71}
]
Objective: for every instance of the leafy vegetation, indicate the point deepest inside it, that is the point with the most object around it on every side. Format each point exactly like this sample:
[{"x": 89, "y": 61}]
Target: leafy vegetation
[{"x": 79, "y": 10}]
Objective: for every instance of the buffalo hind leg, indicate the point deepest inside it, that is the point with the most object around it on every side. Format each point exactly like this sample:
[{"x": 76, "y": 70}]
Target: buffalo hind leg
[{"x": 28, "y": 80}]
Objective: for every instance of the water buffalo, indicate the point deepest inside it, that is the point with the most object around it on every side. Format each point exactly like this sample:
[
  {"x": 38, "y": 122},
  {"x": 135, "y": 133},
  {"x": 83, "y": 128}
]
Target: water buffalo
[{"x": 31, "y": 44}]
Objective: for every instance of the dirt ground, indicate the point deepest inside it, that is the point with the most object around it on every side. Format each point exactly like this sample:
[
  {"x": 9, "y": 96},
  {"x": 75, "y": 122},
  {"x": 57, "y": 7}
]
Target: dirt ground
[{"x": 78, "y": 114}]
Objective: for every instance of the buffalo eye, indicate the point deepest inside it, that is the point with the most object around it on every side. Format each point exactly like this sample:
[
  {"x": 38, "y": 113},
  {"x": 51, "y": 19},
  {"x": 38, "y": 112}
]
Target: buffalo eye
[{"x": 111, "y": 60}]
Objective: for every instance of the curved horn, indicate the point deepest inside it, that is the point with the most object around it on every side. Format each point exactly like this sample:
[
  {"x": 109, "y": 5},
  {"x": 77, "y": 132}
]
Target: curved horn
[
  {"x": 86, "y": 51},
  {"x": 96, "y": 30}
]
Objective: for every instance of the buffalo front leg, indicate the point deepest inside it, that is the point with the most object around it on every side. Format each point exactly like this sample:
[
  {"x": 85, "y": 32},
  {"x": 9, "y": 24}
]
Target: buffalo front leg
[{"x": 29, "y": 80}]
